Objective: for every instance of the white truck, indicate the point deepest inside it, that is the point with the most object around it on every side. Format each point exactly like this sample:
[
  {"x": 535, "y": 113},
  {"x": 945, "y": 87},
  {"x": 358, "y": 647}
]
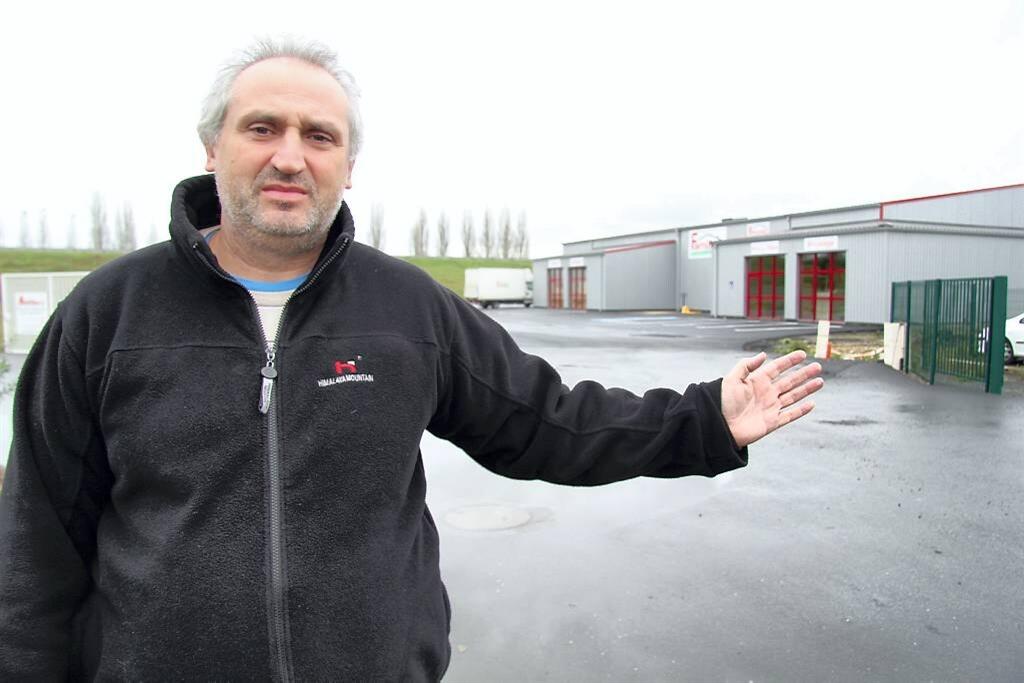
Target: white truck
[{"x": 489, "y": 287}]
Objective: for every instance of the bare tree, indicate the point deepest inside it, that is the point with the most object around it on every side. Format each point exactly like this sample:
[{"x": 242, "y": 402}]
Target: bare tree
[
  {"x": 25, "y": 235},
  {"x": 505, "y": 235},
  {"x": 154, "y": 237},
  {"x": 522, "y": 239},
  {"x": 468, "y": 235},
  {"x": 126, "y": 228},
  {"x": 420, "y": 237},
  {"x": 376, "y": 225},
  {"x": 442, "y": 235},
  {"x": 43, "y": 238},
  {"x": 98, "y": 214},
  {"x": 487, "y": 237}
]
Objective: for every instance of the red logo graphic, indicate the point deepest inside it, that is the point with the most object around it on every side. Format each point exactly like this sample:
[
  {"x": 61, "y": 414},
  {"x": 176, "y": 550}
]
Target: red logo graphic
[{"x": 348, "y": 367}]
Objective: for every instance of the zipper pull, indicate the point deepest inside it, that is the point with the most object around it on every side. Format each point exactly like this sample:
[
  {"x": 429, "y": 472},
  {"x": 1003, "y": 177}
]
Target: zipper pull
[{"x": 269, "y": 373}]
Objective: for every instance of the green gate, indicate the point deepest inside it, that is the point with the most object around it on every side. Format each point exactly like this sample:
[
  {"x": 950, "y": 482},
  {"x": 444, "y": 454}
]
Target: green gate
[{"x": 949, "y": 325}]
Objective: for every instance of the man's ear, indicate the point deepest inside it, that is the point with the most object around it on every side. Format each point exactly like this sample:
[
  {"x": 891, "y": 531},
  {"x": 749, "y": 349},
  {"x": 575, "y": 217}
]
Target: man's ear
[
  {"x": 348, "y": 182},
  {"x": 211, "y": 158}
]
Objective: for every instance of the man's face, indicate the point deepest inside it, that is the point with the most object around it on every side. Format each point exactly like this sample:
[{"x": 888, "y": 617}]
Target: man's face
[{"x": 282, "y": 157}]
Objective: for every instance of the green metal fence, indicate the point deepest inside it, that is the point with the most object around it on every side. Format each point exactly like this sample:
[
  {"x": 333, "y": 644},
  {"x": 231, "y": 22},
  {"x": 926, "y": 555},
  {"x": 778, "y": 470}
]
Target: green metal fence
[{"x": 949, "y": 325}]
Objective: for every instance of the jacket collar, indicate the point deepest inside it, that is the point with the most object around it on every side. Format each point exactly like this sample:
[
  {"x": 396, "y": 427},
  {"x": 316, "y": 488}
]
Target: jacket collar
[{"x": 195, "y": 206}]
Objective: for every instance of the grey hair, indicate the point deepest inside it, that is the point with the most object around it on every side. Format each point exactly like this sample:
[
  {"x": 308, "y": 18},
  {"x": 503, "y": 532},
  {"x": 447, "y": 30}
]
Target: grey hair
[{"x": 215, "y": 105}]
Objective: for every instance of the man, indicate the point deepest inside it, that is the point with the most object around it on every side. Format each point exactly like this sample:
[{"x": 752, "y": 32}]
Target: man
[{"x": 215, "y": 470}]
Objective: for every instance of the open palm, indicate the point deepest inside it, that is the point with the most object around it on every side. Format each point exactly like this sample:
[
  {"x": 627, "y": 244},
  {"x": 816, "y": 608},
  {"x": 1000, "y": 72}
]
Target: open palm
[{"x": 758, "y": 397}]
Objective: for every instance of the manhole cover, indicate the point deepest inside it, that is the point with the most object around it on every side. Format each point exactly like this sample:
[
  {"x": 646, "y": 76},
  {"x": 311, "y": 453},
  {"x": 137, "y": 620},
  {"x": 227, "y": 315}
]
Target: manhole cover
[{"x": 487, "y": 517}]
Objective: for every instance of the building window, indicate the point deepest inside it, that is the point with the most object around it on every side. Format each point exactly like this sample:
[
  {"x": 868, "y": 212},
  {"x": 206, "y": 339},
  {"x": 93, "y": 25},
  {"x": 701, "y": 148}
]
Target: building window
[
  {"x": 555, "y": 288},
  {"x": 823, "y": 286},
  {"x": 578, "y": 288},
  {"x": 766, "y": 286}
]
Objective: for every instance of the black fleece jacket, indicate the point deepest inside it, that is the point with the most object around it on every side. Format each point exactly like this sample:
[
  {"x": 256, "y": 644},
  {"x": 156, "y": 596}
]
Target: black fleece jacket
[{"x": 155, "y": 524}]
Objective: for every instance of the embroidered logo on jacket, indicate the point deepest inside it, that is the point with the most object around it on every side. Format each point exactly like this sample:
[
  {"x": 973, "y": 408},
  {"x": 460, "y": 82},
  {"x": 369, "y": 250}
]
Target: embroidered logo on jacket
[{"x": 345, "y": 371}]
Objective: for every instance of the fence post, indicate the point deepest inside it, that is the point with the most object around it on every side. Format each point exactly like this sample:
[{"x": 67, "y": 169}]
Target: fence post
[
  {"x": 934, "y": 322},
  {"x": 997, "y": 336},
  {"x": 906, "y": 332}
]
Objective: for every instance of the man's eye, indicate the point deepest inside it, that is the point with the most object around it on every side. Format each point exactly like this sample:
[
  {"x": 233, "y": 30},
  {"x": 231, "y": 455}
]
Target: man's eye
[
  {"x": 321, "y": 137},
  {"x": 260, "y": 130}
]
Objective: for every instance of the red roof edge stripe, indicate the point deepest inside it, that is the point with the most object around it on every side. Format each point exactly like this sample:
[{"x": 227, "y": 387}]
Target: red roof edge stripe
[
  {"x": 952, "y": 194},
  {"x": 645, "y": 245}
]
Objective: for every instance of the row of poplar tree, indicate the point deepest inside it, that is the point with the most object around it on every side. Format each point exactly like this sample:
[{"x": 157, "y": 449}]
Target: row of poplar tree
[
  {"x": 106, "y": 232},
  {"x": 497, "y": 237}
]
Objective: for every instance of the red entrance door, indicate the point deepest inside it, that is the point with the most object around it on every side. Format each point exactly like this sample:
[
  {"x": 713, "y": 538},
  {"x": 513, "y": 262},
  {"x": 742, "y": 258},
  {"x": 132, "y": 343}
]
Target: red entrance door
[
  {"x": 766, "y": 286},
  {"x": 823, "y": 286},
  {"x": 578, "y": 288},
  {"x": 555, "y": 288}
]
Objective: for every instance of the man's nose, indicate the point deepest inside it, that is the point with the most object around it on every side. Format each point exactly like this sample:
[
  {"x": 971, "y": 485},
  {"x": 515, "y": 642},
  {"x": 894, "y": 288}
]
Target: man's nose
[{"x": 288, "y": 157}]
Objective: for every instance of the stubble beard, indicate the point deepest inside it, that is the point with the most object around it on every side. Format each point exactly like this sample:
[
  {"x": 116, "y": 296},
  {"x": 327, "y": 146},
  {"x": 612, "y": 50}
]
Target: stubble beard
[{"x": 287, "y": 235}]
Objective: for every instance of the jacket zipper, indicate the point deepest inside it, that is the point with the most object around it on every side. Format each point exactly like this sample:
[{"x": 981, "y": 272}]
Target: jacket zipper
[{"x": 277, "y": 612}]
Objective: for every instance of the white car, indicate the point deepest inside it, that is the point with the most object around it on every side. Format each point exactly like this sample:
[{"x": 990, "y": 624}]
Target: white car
[{"x": 1013, "y": 346}]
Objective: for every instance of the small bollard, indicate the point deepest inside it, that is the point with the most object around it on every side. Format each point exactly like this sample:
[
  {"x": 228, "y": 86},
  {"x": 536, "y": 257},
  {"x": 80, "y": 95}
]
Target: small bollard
[{"x": 821, "y": 348}]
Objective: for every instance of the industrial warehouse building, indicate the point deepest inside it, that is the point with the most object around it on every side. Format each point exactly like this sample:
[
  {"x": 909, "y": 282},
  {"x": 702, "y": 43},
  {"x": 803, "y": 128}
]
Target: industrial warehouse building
[{"x": 835, "y": 264}]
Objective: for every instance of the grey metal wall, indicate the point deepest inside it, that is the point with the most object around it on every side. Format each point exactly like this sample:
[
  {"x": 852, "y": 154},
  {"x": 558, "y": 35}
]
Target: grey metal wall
[
  {"x": 851, "y": 215},
  {"x": 874, "y": 260},
  {"x": 600, "y": 244},
  {"x": 1003, "y": 207},
  {"x": 540, "y": 283},
  {"x": 595, "y": 282},
  {"x": 640, "y": 279}
]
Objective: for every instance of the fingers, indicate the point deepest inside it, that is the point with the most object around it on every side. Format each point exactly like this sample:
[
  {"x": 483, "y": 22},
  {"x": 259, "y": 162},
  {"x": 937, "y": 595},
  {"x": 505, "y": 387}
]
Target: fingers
[
  {"x": 798, "y": 377},
  {"x": 787, "y": 416},
  {"x": 747, "y": 365},
  {"x": 783, "y": 363},
  {"x": 755, "y": 362},
  {"x": 800, "y": 392}
]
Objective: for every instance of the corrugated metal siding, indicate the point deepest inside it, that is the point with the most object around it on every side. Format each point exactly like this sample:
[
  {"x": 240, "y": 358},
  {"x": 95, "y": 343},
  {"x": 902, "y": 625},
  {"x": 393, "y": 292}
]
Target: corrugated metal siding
[
  {"x": 868, "y": 284},
  {"x": 729, "y": 299},
  {"x": 595, "y": 282},
  {"x": 831, "y": 217},
  {"x": 540, "y": 283},
  {"x": 697, "y": 281},
  {"x": 640, "y": 279},
  {"x": 576, "y": 248},
  {"x": 994, "y": 207}
]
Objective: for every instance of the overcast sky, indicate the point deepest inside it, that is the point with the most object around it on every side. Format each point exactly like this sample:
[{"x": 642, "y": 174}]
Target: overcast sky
[{"x": 593, "y": 118}]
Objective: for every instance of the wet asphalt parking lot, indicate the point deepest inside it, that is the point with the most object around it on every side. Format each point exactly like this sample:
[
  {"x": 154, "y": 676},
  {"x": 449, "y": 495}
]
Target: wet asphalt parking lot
[{"x": 878, "y": 539}]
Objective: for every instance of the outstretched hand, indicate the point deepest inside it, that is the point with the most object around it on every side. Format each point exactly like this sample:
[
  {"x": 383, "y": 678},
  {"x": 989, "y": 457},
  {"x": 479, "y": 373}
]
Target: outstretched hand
[{"x": 759, "y": 397}]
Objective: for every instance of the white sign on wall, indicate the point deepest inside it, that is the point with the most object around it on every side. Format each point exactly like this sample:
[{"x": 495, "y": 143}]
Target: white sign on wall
[
  {"x": 758, "y": 229},
  {"x": 764, "y": 247},
  {"x": 824, "y": 243},
  {"x": 576, "y": 262},
  {"x": 31, "y": 310},
  {"x": 701, "y": 241},
  {"x": 555, "y": 263}
]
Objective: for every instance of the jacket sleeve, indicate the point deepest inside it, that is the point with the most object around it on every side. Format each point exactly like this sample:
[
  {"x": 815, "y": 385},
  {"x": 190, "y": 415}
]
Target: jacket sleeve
[
  {"x": 510, "y": 411},
  {"x": 51, "y": 500}
]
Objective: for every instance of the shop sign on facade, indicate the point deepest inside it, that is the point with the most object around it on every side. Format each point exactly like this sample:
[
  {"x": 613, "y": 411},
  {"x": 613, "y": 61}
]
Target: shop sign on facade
[
  {"x": 764, "y": 247},
  {"x": 824, "y": 243},
  {"x": 702, "y": 240}
]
